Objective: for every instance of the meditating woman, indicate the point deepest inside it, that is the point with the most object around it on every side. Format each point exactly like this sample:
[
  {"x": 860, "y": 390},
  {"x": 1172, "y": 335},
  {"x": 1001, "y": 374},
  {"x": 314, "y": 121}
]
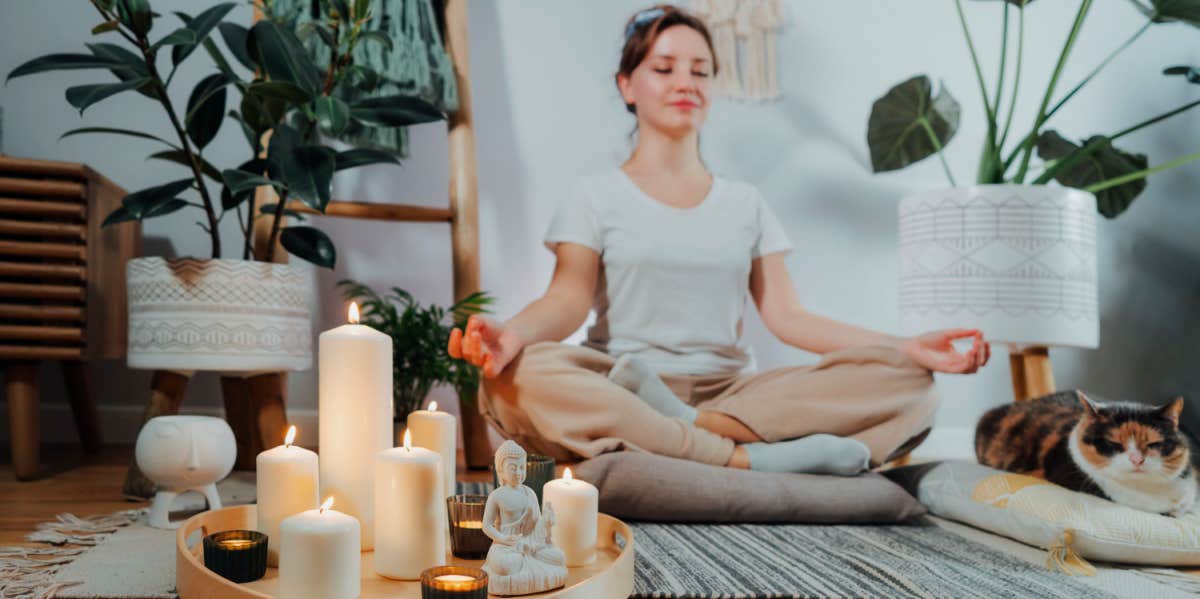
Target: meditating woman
[{"x": 665, "y": 251}]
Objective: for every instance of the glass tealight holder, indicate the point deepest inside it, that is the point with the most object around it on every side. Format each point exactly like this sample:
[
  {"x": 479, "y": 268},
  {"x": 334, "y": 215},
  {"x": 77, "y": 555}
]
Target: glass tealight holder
[
  {"x": 237, "y": 555},
  {"x": 454, "y": 582},
  {"x": 539, "y": 470},
  {"x": 467, "y": 540}
]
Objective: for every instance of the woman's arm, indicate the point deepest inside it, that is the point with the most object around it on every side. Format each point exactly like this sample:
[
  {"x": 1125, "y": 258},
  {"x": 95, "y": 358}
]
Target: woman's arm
[{"x": 781, "y": 311}]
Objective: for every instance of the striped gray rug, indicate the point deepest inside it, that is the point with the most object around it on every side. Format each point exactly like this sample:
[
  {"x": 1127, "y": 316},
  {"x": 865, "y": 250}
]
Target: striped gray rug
[{"x": 700, "y": 561}]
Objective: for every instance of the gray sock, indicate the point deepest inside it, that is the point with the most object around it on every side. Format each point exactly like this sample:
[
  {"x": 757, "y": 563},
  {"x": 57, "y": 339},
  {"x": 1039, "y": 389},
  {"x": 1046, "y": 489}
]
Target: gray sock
[
  {"x": 814, "y": 454},
  {"x": 634, "y": 375}
]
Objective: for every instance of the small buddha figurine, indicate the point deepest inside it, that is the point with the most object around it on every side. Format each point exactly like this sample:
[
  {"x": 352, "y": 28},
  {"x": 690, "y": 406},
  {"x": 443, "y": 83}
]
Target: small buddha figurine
[{"x": 522, "y": 559}]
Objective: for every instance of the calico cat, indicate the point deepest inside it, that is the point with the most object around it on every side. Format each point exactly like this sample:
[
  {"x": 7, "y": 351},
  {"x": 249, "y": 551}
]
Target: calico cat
[{"x": 1132, "y": 454}]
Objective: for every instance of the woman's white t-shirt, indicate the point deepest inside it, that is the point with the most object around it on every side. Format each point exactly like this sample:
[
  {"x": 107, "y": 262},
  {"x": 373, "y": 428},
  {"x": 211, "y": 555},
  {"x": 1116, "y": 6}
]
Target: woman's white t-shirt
[{"x": 673, "y": 281}]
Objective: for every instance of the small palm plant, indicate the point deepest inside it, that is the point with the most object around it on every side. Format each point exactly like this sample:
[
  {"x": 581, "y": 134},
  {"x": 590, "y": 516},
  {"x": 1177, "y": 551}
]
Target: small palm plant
[{"x": 910, "y": 122}]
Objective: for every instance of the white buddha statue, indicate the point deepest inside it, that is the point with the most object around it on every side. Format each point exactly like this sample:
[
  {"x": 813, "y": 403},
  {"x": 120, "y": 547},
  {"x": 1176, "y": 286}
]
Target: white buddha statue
[{"x": 522, "y": 559}]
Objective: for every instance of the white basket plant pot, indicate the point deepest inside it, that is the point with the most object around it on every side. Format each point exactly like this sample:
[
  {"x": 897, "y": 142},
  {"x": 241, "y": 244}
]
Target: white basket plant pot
[
  {"x": 223, "y": 315},
  {"x": 1015, "y": 261}
]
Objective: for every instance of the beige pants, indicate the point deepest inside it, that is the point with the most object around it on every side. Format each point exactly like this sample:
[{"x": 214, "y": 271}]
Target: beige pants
[{"x": 557, "y": 399}]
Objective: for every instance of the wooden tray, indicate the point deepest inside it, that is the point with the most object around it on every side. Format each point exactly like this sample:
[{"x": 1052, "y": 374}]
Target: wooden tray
[{"x": 611, "y": 576}]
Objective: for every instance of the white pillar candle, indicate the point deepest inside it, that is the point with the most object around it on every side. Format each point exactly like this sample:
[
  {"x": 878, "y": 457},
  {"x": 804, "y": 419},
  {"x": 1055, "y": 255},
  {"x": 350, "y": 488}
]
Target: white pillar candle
[
  {"x": 576, "y": 506},
  {"x": 355, "y": 412},
  {"x": 320, "y": 556},
  {"x": 437, "y": 431},
  {"x": 287, "y": 485},
  {"x": 410, "y": 516}
]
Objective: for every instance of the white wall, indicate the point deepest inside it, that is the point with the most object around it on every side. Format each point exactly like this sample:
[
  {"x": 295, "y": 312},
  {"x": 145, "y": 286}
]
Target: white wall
[{"x": 546, "y": 112}]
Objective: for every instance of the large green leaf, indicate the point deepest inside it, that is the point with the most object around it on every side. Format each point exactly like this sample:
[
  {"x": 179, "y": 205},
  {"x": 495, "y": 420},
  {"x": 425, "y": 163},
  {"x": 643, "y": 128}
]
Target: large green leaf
[
  {"x": 284, "y": 57},
  {"x": 308, "y": 172},
  {"x": 201, "y": 25},
  {"x": 901, "y": 122},
  {"x": 309, "y": 244},
  {"x": 378, "y": 36},
  {"x": 134, "y": 65},
  {"x": 395, "y": 111},
  {"x": 181, "y": 158},
  {"x": 179, "y": 37},
  {"x": 116, "y": 131},
  {"x": 206, "y": 109},
  {"x": 280, "y": 90},
  {"x": 136, "y": 15},
  {"x": 235, "y": 39},
  {"x": 361, "y": 156},
  {"x": 252, "y": 138},
  {"x": 155, "y": 201},
  {"x": 63, "y": 62},
  {"x": 332, "y": 115},
  {"x": 1165, "y": 11},
  {"x": 1103, "y": 164},
  {"x": 82, "y": 96},
  {"x": 239, "y": 181},
  {"x": 362, "y": 78}
]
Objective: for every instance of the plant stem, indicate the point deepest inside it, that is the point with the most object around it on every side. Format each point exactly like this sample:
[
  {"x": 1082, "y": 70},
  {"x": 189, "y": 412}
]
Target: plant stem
[
  {"x": 248, "y": 232},
  {"x": 938, "y": 145},
  {"x": 1003, "y": 59},
  {"x": 1012, "y": 108},
  {"x": 1084, "y": 5},
  {"x": 273, "y": 239},
  {"x": 1141, "y": 174},
  {"x": 1151, "y": 121},
  {"x": 975, "y": 60},
  {"x": 1098, "y": 67}
]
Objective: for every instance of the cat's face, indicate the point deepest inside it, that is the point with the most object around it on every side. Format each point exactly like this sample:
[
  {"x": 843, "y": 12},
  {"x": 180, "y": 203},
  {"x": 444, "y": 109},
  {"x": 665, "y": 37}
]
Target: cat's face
[{"x": 1127, "y": 440}]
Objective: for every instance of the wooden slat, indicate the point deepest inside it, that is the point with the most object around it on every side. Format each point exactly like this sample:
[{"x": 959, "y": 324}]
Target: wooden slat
[
  {"x": 36, "y": 228},
  {"x": 392, "y": 212},
  {"x": 29, "y": 312},
  {"x": 34, "y": 352},
  {"x": 43, "y": 270},
  {"x": 43, "y": 249},
  {"x": 42, "y": 208},
  {"x": 59, "y": 292},
  {"x": 40, "y": 333},
  {"x": 52, "y": 168},
  {"x": 41, "y": 187}
]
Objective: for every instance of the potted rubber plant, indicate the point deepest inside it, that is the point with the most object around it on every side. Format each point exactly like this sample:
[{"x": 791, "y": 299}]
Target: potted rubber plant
[
  {"x": 419, "y": 338},
  {"x": 245, "y": 312},
  {"x": 1014, "y": 253}
]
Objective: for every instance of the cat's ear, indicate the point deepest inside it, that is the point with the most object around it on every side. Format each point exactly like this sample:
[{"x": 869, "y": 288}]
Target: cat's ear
[
  {"x": 1172, "y": 410},
  {"x": 1089, "y": 407}
]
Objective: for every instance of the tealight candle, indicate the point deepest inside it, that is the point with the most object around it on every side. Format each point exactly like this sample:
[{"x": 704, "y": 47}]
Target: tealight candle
[
  {"x": 238, "y": 555},
  {"x": 287, "y": 485},
  {"x": 466, "y": 526},
  {"x": 355, "y": 415},
  {"x": 410, "y": 514},
  {"x": 576, "y": 505},
  {"x": 320, "y": 556},
  {"x": 437, "y": 431},
  {"x": 454, "y": 582}
]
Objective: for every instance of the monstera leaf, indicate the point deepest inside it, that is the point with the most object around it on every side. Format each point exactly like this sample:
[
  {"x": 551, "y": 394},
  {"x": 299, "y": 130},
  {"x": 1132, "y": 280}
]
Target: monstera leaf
[
  {"x": 1105, "y": 163},
  {"x": 1165, "y": 11},
  {"x": 905, "y": 121},
  {"x": 1192, "y": 74}
]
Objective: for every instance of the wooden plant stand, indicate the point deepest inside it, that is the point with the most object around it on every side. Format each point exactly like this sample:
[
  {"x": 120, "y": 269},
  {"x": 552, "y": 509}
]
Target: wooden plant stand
[{"x": 1032, "y": 375}]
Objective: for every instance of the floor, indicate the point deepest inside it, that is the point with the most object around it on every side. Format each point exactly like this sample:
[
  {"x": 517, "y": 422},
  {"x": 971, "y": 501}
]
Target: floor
[{"x": 82, "y": 485}]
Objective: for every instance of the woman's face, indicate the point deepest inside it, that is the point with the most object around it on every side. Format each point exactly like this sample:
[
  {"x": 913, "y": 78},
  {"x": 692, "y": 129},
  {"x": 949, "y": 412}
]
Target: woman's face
[{"x": 670, "y": 86}]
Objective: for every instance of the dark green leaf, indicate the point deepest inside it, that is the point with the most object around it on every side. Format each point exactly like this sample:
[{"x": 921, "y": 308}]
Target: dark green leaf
[
  {"x": 230, "y": 200},
  {"x": 269, "y": 209},
  {"x": 361, "y": 8},
  {"x": 1165, "y": 11},
  {"x": 361, "y": 156},
  {"x": 1105, "y": 163},
  {"x": 307, "y": 29},
  {"x": 1191, "y": 73},
  {"x": 120, "y": 215},
  {"x": 134, "y": 65},
  {"x": 163, "y": 208},
  {"x": 153, "y": 200},
  {"x": 378, "y": 36},
  {"x": 106, "y": 27},
  {"x": 136, "y": 15},
  {"x": 898, "y": 129},
  {"x": 181, "y": 36},
  {"x": 82, "y": 96},
  {"x": 201, "y": 25},
  {"x": 332, "y": 115},
  {"x": 62, "y": 62},
  {"x": 129, "y": 132},
  {"x": 181, "y": 158},
  {"x": 362, "y": 78},
  {"x": 283, "y": 57},
  {"x": 395, "y": 111},
  {"x": 309, "y": 244},
  {"x": 339, "y": 9},
  {"x": 206, "y": 109},
  {"x": 235, "y": 39},
  {"x": 252, "y": 138},
  {"x": 239, "y": 181},
  {"x": 308, "y": 173},
  {"x": 279, "y": 90}
]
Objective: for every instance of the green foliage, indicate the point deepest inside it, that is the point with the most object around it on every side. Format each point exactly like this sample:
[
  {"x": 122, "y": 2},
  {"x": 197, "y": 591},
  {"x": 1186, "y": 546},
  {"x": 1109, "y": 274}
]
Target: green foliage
[
  {"x": 419, "y": 335},
  {"x": 909, "y": 124}
]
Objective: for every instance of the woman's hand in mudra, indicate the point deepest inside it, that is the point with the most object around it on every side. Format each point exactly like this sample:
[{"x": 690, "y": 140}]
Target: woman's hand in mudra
[
  {"x": 486, "y": 344},
  {"x": 936, "y": 352}
]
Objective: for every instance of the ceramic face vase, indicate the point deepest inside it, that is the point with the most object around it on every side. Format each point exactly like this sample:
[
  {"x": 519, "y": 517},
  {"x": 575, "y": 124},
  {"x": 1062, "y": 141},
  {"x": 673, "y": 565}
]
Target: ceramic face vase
[{"x": 184, "y": 453}]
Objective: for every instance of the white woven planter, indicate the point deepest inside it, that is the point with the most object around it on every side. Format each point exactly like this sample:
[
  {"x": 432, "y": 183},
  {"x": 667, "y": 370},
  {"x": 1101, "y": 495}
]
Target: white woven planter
[
  {"x": 224, "y": 315},
  {"x": 1016, "y": 261}
]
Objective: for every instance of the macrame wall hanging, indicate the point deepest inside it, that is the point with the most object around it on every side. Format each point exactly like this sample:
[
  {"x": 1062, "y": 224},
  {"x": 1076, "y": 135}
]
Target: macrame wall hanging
[{"x": 744, "y": 34}]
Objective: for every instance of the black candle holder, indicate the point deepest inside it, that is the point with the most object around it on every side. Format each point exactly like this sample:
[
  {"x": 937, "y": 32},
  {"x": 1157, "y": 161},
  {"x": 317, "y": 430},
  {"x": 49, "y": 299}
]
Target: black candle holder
[
  {"x": 539, "y": 470},
  {"x": 454, "y": 582},
  {"x": 237, "y": 555},
  {"x": 467, "y": 540}
]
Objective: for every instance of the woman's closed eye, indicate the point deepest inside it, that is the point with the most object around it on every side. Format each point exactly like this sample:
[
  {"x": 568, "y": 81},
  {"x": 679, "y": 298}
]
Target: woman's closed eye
[{"x": 668, "y": 72}]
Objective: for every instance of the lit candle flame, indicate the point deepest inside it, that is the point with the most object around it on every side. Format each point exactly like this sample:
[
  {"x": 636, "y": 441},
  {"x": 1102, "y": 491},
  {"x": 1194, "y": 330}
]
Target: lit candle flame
[
  {"x": 567, "y": 475},
  {"x": 291, "y": 436},
  {"x": 328, "y": 504},
  {"x": 433, "y": 406},
  {"x": 407, "y": 440},
  {"x": 352, "y": 317}
]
